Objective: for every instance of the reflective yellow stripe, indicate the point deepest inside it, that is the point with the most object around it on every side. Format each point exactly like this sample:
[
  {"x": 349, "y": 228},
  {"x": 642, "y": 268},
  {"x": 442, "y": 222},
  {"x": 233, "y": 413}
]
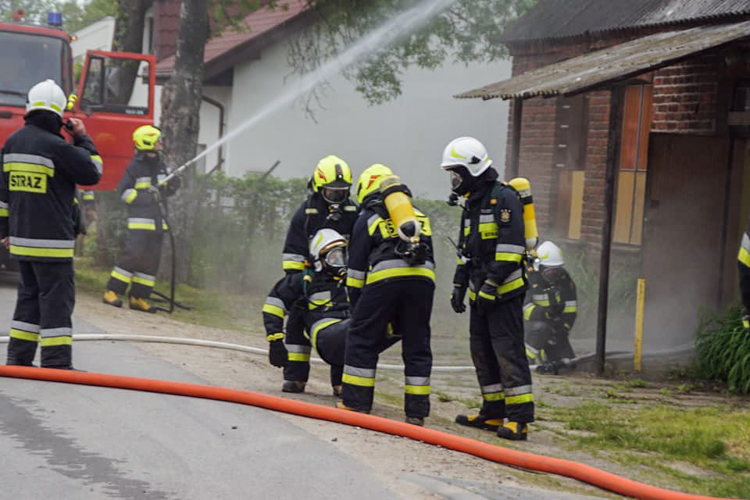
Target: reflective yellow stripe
[
  {"x": 141, "y": 225},
  {"x": 419, "y": 390},
  {"x": 120, "y": 277},
  {"x": 57, "y": 253},
  {"x": 64, "y": 340},
  {"x": 360, "y": 381},
  {"x": 130, "y": 197},
  {"x": 520, "y": 399},
  {"x": 4, "y": 212},
  {"x": 274, "y": 310},
  {"x": 530, "y": 354},
  {"x": 354, "y": 282},
  {"x": 467, "y": 231},
  {"x": 459, "y": 261},
  {"x": 528, "y": 310},
  {"x": 542, "y": 303},
  {"x": 143, "y": 281},
  {"x": 746, "y": 324},
  {"x": 472, "y": 295},
  {"x": 28, "y": 167},
  {"x": 143, "y": 185},
  {"x": 319, "y": 327},
  {"x": 508, "y": 257},
  {"x": 88, "y": 196},
  {"x": 744, "y": 257},
  {"x": 275, "y": 336},
  {"x": 495, "y": 396},
  {"x": 298, "y": 356},
  {"x": 509, "y": 287},
  {"x": 293, "y": 265},
  {"x": 22, "y": 335},
  {"x": 399, "y": 272},
  {"x": 486, "y": 296},
  {"x": 374, "y": 226},
  {"x": 488, "y": 230},
  {"x": 570, "y": 309}
]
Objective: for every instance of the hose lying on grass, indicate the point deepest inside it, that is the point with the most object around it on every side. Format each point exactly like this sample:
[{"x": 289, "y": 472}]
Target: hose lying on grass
[{"x": 487, "y": 451}]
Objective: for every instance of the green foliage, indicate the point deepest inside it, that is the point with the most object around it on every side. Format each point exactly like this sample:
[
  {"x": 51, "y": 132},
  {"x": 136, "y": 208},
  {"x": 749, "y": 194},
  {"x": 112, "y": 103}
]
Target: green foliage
[
  {"x": 76, "y": 15},
  {"x": 723, "y": 350},
  {"x": 465, "y": 32}
]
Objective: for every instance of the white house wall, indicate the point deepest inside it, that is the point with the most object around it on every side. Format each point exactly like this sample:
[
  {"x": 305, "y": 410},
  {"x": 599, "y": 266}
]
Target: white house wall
[
  {"x": 95, "y": 36},
  {"x": 407, "y": 134}
]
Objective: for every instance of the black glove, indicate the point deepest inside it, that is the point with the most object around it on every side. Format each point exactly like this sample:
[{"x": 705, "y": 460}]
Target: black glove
[
  {"x": 457, "y": 299},
  {"x": 170, "y": 188},
  {"x": 78, "y": 226},
  {"x": 277, "y": 354}
]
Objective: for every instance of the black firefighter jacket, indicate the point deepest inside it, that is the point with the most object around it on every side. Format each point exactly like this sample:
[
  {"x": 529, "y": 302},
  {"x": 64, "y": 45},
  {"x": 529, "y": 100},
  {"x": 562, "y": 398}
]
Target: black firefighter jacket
[
  {"x": 143, "y": 172},
  {"x": 38, "y": 188}
]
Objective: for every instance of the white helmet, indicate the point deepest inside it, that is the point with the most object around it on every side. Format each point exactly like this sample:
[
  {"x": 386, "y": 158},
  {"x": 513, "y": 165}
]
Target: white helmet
[
  {"x": 321, "y": 251},
  {"x": 550, "y": 254},
  {"x": 46, "y": 95},
  {"x": 466, "y": 152}
]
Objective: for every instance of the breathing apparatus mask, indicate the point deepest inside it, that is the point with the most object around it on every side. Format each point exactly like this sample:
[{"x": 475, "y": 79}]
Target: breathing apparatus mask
[
  {"x": 551, "y": 273},
  {"x": 461, "y": 180},
  {"x": 333, "y": 261},
  {"x": 328, "y": 253}
]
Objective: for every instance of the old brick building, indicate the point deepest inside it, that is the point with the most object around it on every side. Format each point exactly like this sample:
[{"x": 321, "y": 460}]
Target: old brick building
[{"x": 678, "y": 151}]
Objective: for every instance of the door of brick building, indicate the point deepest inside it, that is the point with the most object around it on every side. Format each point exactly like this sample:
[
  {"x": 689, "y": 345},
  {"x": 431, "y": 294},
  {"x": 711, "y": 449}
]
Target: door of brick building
[{"x": 683, "y": 232}]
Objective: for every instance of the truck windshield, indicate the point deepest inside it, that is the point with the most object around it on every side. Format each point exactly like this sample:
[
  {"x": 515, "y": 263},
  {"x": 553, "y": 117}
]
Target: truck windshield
[{"x": 26, "y": 60}]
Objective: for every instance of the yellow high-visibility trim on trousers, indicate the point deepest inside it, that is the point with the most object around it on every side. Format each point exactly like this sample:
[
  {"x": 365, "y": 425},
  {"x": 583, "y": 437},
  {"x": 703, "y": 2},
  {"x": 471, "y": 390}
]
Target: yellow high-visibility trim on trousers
[
  {"x": 744, "y": 257},
  {"x": 53, "y": 341},
  {"x": 520, "y": 399},
  {"x": 22, "y": 335},
  {"x": 495, "y": 396},
  {"x": 298, "y": 356},
  {"x": 419, "y": 390},
  {"x": 120, "y": 277},
  {"x": 318, "y": 326},
  {"x": 360, "y": 381}
]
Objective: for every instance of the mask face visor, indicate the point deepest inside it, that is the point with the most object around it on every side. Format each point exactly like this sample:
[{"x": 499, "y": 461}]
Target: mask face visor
[
  {"x": 551, "y": 274},
  {"x": 335, "y": 195},
  {"x": 336, "y": 258}
]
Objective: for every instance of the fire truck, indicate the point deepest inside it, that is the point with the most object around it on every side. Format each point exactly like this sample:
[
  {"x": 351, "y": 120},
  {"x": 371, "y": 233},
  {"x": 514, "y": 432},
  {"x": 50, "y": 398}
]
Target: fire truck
[{"x": 114, "y": 96}]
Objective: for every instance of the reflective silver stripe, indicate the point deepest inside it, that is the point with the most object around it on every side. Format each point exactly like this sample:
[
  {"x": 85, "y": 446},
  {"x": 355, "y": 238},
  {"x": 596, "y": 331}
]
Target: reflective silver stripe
[
  {"x": 301, "y": 349},
  {"x": 359, "y": 372},
  {"x": 26, "y": 327},
  {"x": 528, "y": 306},
  {"x": 537, "y": 298},
  {"x": 524, "y": 193},
  {"x": 372, "y": 220},
  {"x": 320, "y": 296},
  {"x": 483, "y": 219},
  {"x": 32, "y": 242},
  {"x": 127, "y": 193},
  {"x": 273, "y": 301},
  {"x": 138, "y": 180},
  {"x": 123, "y": 272},
  {"x": 417, "y": 380},
  {"x": 311, "y": 211},
  {"x": 472, "y": 286},
  {"x": 517, "y": 391},
  {"x": 144, "y": 276},
  {"x": 138, "y": 220},
  {"x": 354, "y": 274},
  {"x": 396, "y": 263},
  {"x": 746, "y": 242},
  {"x": 571, "y": 303},
  {"x": 293, "y": 257},
  {"x": 488, "y": 389},
  {"x": 467, "y": 222},
  {"x": 4, "y": 205},
  {"x": 56, "y": 332},
  {"x": 98, "y": 164},
  {"x": 518, "y": 273},
  {"x": 510, "y": 249},
  {"x": 161, "y": 177},
  {"x": 350, "y": 208},
  {"x": 27, "y": 158}
]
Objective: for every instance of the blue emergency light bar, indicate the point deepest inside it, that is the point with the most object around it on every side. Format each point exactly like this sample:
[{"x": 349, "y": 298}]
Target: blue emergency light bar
[{"x": 54, "y": 19}]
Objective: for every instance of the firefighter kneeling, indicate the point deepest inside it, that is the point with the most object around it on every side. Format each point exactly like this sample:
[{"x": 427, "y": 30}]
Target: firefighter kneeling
[
  {"x": 143, "y": 190},
  {"x": 391, "y": 280}
]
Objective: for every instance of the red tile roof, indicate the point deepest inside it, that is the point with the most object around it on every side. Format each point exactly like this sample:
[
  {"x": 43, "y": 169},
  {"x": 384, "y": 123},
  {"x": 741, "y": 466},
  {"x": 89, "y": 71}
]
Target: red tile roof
[{"x": 255, "y": 25}]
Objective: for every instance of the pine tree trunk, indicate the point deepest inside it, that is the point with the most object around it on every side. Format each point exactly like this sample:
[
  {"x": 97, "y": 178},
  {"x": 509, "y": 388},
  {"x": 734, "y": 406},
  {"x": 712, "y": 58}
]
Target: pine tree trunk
[{"x": 180, "y": 122}]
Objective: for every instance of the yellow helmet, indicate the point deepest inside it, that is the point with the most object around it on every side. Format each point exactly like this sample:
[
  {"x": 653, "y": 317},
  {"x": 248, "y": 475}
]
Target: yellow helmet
[
  {"x": 145, "y": 137},
  {"x": 332, "y": 179},
  {"x": 369, "y": 180}
]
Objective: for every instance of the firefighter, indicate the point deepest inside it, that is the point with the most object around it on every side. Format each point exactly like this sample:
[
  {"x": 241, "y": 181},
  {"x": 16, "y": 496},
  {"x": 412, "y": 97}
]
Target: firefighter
[
  {"x": 143, "y": 190},
  {"x": 319, "y": 294},
  {"x": 492, "y": 247},
  {"x": 390, "y": 281},
  {"x": 550, "y": 311},
  {"x": 327, "y": 206},
  {"x": 37, "y": 191},
  {"x": 743, "y": 263}
]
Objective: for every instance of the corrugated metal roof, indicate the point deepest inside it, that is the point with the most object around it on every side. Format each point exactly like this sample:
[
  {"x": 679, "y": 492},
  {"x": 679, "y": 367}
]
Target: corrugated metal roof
[
  {"x": 613, "y": 63},
  {"x": 551, "y": 19}
]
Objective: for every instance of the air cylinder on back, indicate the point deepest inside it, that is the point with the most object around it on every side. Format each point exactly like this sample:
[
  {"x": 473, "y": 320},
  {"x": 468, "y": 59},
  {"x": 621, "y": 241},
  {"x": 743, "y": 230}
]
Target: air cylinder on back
[
  {"x": 523, "y": 186},
  {"x": 400, "y": 209}
]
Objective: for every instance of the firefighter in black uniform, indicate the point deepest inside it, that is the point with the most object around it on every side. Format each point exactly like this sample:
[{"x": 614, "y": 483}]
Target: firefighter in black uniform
[
  {"x": 327, "y": 206},
  {"x": 492, "y": 246},
  {"x": 390, "y": 282},
  {"x": 743, "y": 263},
  {"x": 143, "y": 190},
  {"x": 37, "y": 189},
  {"x": 550, "y": 310}
]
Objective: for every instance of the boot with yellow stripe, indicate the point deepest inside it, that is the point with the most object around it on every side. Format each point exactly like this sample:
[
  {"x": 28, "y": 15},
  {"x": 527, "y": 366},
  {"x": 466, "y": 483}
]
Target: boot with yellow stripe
[
  {"x": 111, "y": 298},
  {"x": 515, "y": 431},
  {"x": 140, "y": 304},
  {"x": 480, "y": 422}
]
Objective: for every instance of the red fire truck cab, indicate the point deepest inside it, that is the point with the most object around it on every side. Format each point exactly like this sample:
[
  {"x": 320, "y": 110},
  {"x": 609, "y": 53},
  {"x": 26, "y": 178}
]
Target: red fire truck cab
[{"x": 115, "y": 92}]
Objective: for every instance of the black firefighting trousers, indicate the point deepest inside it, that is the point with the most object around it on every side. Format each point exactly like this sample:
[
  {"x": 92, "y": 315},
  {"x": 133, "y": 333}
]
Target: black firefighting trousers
[
  {"x": 329, "y": 339},
  {"x": 298, "y": 347},
  {"x": 138, "y": 264},
  {"x": 407, "y": 305},
  {"x": 546, "y": 343},
  {"x": 46, "y": 297},
  {"x": 498, "y": 351}
]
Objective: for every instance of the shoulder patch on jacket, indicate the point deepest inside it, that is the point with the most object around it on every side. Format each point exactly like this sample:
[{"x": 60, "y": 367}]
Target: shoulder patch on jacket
[{"x": 505, "y": 214}]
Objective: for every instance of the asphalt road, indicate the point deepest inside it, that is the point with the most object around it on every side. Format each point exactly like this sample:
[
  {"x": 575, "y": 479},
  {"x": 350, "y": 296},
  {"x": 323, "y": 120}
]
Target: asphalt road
[{"x": 75, "y": 442}]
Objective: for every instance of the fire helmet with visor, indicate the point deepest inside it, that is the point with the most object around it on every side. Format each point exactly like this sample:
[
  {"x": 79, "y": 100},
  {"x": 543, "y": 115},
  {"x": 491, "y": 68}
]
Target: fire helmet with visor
[
  {"x": 332, "y": 179},
  {"x": 328, "y": 252}
]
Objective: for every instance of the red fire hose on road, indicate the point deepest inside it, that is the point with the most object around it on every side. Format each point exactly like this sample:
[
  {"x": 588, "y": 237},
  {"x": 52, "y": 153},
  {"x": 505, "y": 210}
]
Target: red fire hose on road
[{"x": 487, "y": 451}]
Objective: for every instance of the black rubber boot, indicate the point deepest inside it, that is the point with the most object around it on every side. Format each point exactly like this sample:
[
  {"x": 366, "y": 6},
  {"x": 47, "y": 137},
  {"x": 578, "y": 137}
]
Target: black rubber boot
[
  {"x": 514, "y": 431},
  {"x": 293, "y": 386}
]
